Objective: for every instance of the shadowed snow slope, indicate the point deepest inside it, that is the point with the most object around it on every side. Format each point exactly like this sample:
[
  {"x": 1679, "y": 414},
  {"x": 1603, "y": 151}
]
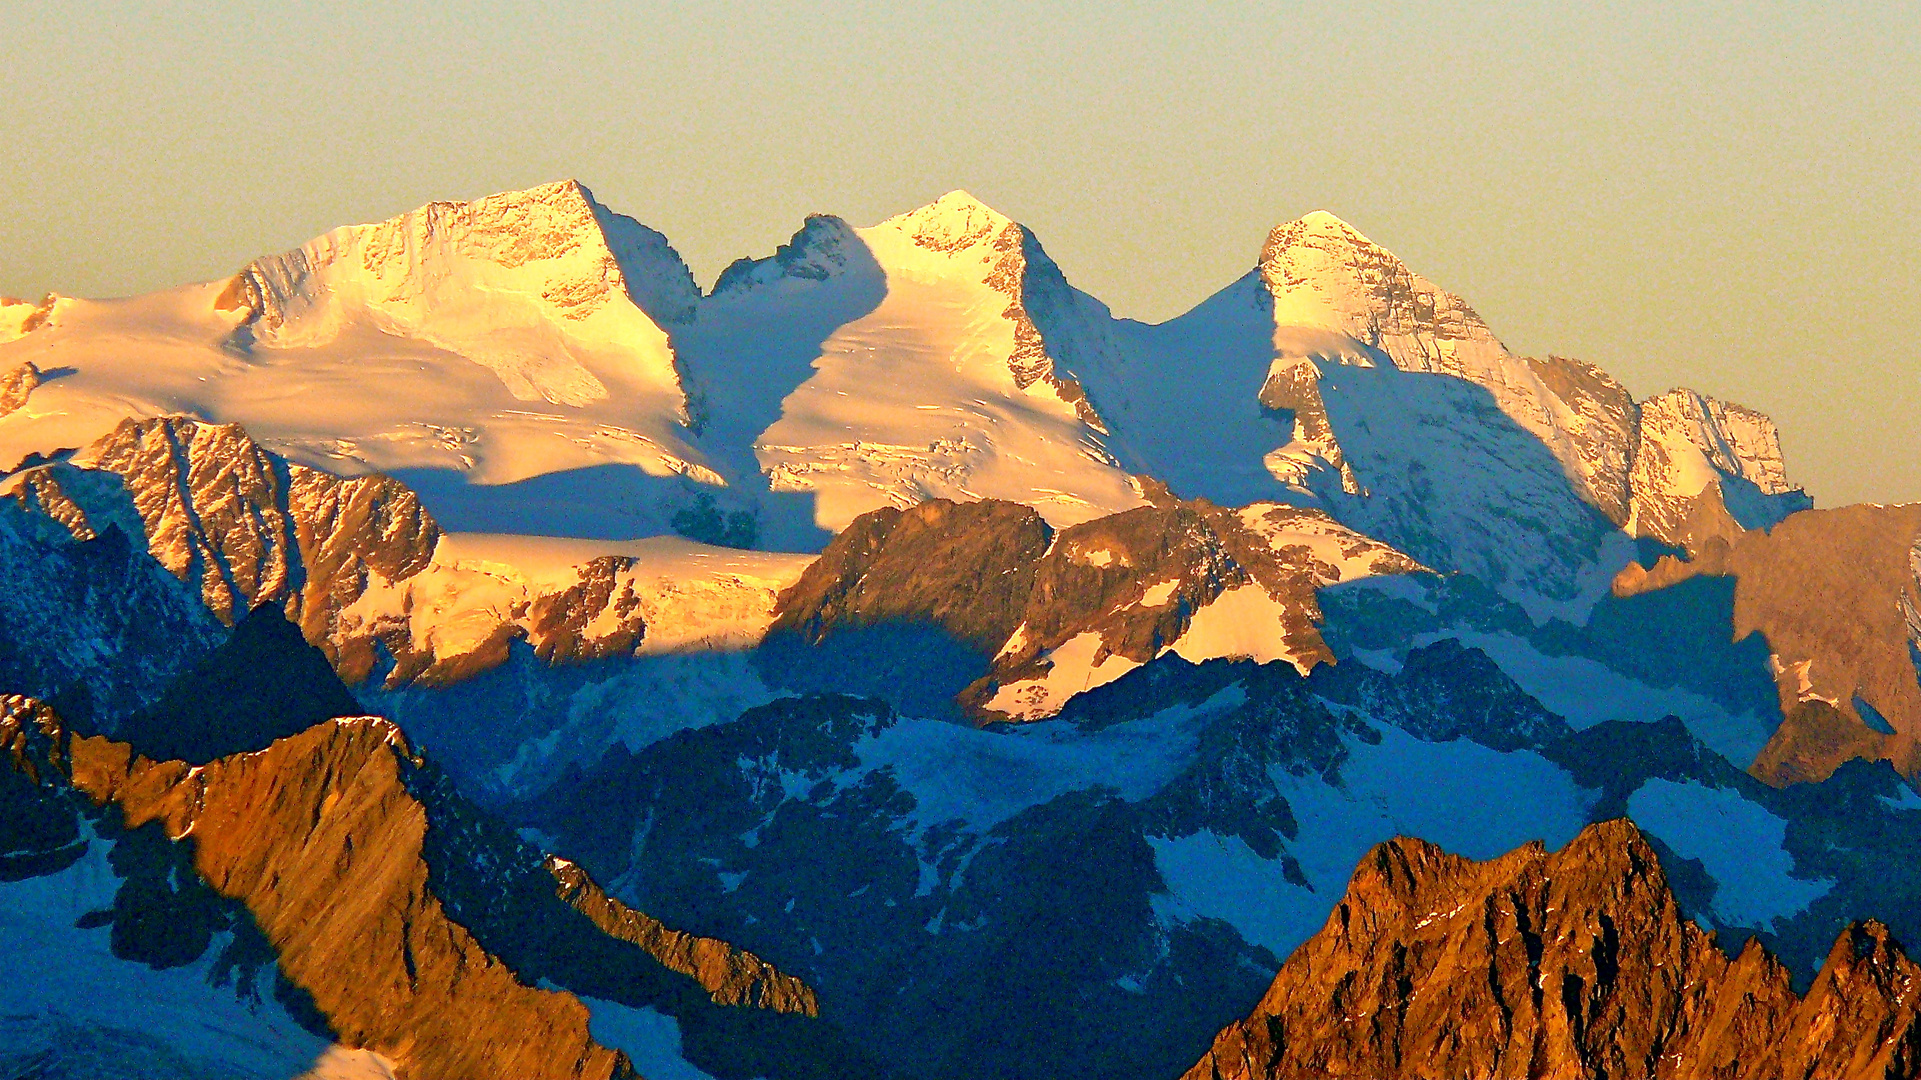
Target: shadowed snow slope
[{"x": 1333, "y": 373}]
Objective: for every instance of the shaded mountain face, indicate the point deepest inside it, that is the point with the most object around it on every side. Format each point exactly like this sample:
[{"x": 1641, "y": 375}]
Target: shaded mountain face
[
  {"x": 262, "y": 684},
  {"x": 1062, "y": 613},
  {"x": 1834, "y": 593},
  {"x": 1334, "y": 374},
  {"x": 393, "y": 920},
  {"x": 1575, "y": 963},
  {"x": 1170, "y": 837}
]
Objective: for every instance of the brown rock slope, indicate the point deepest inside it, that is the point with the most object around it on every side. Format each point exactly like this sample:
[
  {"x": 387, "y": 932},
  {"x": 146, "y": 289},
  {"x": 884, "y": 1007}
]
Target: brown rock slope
[
  {"x": 1837, "y": 596},
  {"x": 251, "y": 528},
  {"x": 1575, "y": 964},
  {"x": 730, "y": 976},
  {"x": 321, "y": 837},
  {"x": 1130, "y": 586}
]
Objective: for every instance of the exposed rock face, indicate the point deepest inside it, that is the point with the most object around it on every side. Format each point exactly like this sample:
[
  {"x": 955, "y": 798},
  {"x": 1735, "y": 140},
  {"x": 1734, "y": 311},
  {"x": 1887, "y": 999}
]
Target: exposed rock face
[
  {"x": 248, "y": 528},
  {"x": 1338, "y": 295},
  {"x": 16, "y": 384},
  {"x": 294, "y": 830},
  {"x": 1063, "y": 613},
  {"x": 1601, "y": 428},
  {"x": 1707, "y": 468},
  {"x": 1191, "y": 578},
  {"x": 730, "y": 976},
  {"x": 596, "y": 615},
  {"x": 18, "y": 318},
  {"x": 358, "y": 564},
  {"x": 1325, "y": 274},
  {"x": 1572, "y": 964},
  {"x": 325, "y": 840},
  {"x": 965, "y": 566},
  {"x": 1836, "y": 594},
  {"x": 90, "y": 619}
]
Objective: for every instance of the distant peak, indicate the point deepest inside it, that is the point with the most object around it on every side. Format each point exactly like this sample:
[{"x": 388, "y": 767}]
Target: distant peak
[
  {"x": 958, "y": 200},
  {"x": 552, "y": 187},
  {"x": 952, "y": 222},
  {"x": 816, "y": 252},
  {"x": 1323, "y": 273},
  {"x": 1322, "y": 221},
  {"x": 1317, "y": 228}
]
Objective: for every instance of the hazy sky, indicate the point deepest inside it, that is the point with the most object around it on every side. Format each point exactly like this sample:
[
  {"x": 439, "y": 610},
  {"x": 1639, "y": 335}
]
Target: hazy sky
[{"x": 1724, "y": 197}]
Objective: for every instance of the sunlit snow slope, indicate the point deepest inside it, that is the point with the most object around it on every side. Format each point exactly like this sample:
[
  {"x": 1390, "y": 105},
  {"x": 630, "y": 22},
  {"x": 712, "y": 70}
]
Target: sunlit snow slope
[
  {"x": 496, "y": 340},
  {"x": 936, "y": 384},
  {"x": 532, "y": 363}
]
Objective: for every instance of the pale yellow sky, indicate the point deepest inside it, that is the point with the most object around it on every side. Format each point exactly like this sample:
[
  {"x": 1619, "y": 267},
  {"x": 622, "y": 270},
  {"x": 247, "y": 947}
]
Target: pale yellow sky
[{"x": 1715, "y": 196}]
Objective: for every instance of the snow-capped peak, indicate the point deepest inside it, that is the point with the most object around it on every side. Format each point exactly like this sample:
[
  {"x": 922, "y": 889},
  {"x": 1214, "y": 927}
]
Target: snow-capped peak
[
  {"x": 1326, "y": 223},
  {"x": 547, "y": 288},
  {"x": 953, "y": 222},
  {"x": 1324, "y": 274},
  {"x": 566, "y": 248}
]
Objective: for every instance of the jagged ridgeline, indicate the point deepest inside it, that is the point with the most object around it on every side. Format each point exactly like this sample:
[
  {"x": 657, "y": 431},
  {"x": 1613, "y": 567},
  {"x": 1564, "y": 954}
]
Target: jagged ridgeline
[{"x": 462, "y": 647}]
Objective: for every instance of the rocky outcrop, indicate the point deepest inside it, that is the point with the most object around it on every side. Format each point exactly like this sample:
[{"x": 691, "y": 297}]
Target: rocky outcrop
[
  {"x": 1836, "y": 594},
  {"x": 359, "y": 564},
  {"x": 16, "y": 384},
  {"x": 1186, "y": 577},
  {"x": 18, "y": 318},
  {"x": 1061, "y": 613},
  {"x": 1601, "y": 427},
  {"x": 1705, "y": 469},
  {"x": 967, "y": 567},
  {"x": 1570, "y": 964},
  {"x": 730, "y": 976},
  {"x": 1323, "y": 273},
  {"x": 245, "y": 526},
  {"x": 325, "y": 839}
]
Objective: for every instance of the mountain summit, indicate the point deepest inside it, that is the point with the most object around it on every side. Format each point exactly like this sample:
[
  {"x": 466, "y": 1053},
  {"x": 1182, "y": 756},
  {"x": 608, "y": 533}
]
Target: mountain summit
[{"x": 1324, "y": 274}]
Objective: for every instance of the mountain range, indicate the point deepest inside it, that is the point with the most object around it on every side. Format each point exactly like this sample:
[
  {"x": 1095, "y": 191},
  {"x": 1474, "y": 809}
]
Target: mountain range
[{"x": 463, "y": 647}]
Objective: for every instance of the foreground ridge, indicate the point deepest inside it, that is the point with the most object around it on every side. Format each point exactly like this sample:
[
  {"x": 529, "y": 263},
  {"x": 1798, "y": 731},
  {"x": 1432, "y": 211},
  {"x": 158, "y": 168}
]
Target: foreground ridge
[
  {"x": 1571, "y": 964},
  {"x": 408, "y": 925}
]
